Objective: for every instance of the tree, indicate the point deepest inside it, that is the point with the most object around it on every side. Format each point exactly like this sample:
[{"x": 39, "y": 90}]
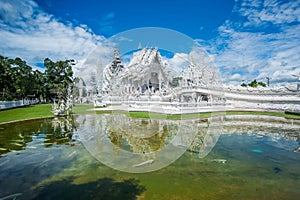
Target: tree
[
  {"x": 254, "y": 83},
  {"x": 244, "y": 85},
  {"x": 22, "y": 75},
  {"x": 58, "y": 78},
  {"x": 262, "y": 84},
  {"x": 38, "y": 84},
  {"x": 6, "y": 82},
  {"x": 16, "y": 79}
]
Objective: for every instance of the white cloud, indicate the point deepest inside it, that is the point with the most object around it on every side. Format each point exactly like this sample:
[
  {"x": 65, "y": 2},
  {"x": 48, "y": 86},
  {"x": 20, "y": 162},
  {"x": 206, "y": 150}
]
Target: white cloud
[
  {"x": 261, "y": 43},
  {"x": 259, "y": 12},
  {"x": 95, "y": 62},
  {"x": 236, "y": 77},
  {"x": 278, "y": 12},
  {"x": 28, "y": 32},
  {"x": 177, "y": 63}
]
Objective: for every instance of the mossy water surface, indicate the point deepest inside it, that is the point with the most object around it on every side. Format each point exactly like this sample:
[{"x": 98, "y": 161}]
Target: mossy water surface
[{"x": 43, "y": 159}]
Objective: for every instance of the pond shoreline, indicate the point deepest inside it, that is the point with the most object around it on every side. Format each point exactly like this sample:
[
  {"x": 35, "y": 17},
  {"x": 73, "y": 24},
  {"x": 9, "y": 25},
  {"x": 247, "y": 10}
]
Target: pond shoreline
[
  {"x": 85, "y": 109},
  {"x": 206, "y": 113},
  {"x": 28, "y": 119}
]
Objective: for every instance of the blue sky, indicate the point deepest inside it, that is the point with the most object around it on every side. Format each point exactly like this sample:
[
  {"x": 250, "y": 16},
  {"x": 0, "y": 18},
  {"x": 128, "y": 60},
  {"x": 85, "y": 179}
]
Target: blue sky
[
  {"x": 248, "y": 39},
  {"x": 197, "y": 19}
]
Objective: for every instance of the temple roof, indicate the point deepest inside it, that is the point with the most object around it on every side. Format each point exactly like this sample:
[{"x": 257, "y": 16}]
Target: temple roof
[
  {"x": 145, "y": 56},
  {"x": 142, "y": 63}
]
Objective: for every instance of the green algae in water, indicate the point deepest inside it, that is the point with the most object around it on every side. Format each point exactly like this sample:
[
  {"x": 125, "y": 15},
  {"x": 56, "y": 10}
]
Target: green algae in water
[{"x": 65, "y": 171}]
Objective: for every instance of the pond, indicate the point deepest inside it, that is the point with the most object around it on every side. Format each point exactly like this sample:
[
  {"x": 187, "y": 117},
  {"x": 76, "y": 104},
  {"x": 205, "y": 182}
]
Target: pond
[{"x": 112, "y": 156}]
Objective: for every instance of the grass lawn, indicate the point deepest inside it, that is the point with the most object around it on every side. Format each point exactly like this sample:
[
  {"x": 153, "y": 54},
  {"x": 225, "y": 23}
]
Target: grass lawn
[
  {"x": 83, "y": 109},
  {"x": 28, "y": 112},
  {"x": 44, "y": 110},
  {"x": 38, "y": 111}
]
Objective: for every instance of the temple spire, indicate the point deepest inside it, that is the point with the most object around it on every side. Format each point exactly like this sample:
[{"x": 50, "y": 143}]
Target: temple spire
[{"x": 140, "y": 45}]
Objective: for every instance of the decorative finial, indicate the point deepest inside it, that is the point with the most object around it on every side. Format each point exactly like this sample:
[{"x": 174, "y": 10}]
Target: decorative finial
[{"x": 140, "y": 45}]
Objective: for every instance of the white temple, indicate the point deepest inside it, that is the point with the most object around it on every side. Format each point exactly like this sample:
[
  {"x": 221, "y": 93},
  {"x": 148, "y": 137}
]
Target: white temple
[
  {"x": 146, "y": 83},
  {"x": 145, "y": 74}
]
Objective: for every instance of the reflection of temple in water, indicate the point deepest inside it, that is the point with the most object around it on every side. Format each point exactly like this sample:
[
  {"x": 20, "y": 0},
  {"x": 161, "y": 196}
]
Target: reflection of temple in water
[
  {"x": 149, "y": 136},
  {"x": 139, "y": 135}
]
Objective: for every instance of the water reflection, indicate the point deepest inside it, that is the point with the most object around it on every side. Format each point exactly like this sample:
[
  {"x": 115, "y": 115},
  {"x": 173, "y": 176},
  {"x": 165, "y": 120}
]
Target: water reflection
[
  {"x": 32, "y": 151},
  {"x": 124, "y": 143},
  {"x": 142, "y": 145},
  {"x": 278, "y": 129},
  {"x": 51, "y": 155},
  {"x": 31, "y": 134}
]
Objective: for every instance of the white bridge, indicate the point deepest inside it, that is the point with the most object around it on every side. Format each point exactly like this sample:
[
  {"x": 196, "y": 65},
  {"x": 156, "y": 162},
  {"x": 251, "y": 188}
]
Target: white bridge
[
  {"x": 247, "y": 94},
  {"x": 251, "y": 98},
  {"x": 220, "y": 99}
]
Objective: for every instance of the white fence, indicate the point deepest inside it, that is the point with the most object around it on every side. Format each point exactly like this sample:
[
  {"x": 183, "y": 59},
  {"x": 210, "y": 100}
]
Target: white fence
[{"x": 13, "y": 104}]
